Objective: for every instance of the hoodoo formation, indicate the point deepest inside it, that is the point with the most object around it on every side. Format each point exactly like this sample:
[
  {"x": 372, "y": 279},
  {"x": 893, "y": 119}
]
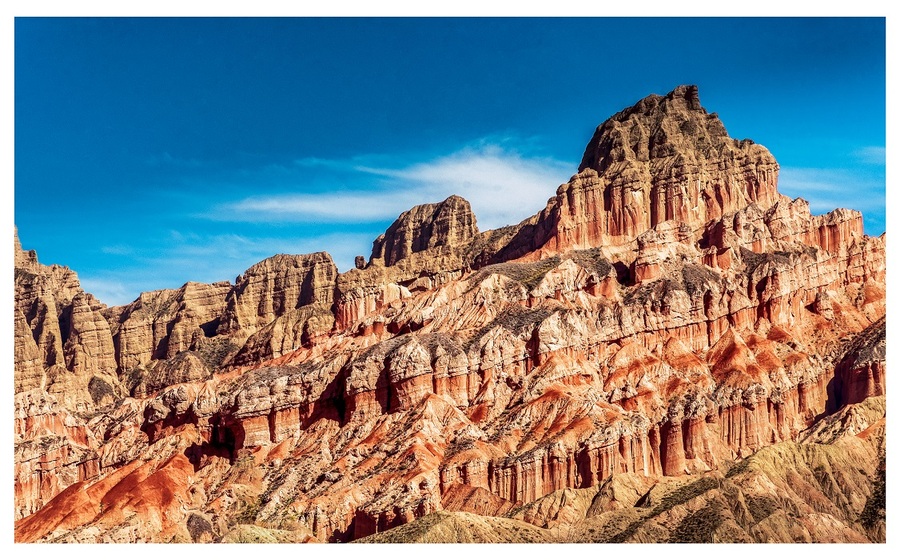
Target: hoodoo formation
[{"x": 669, "y": 351}]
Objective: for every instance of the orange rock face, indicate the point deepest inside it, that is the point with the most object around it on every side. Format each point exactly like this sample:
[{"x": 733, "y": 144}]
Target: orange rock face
[
  {"x": 667, "y": 313},
  {"x": 861, "y": 372}
]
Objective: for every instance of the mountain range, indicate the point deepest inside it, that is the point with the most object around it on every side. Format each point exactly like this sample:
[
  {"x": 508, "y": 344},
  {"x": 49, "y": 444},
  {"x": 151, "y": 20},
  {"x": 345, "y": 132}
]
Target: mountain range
[{"x": 669, "y": 351}]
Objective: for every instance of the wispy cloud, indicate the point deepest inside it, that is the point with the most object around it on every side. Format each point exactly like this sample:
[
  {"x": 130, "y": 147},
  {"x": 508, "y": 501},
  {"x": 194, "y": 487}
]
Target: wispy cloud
[
  {"x": 502, "y": 185},
  {"x": 117, "y": 250},
  {"x": 110, "y": 292},
  {"x": 871, "y": 155},
  {"x": 827, "y": 189},
  {"x": 339, "y": 207}
]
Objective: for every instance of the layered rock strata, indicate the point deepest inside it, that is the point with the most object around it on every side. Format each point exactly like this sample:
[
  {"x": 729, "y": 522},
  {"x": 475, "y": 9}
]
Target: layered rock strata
[
  {"x": 63, "y": 343},
  {"x": 822, "y": 490},
  {"x": 861, "y": 372},
  {"x": 667, "y": 314},
  {"x": 664, "y": 159},
  {"x": 429, "y": 226},
  {"x": 73, "y": 349}
]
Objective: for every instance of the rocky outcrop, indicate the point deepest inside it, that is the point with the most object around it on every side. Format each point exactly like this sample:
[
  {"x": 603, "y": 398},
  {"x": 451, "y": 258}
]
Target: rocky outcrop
[
  {"x": 42, "y": 295},
  {"x": 63, "y": 344},
  {"x": 53, "y": 450},
  {"x": 595, "y": 372},
  {"x": 668, "y": 159},
  {"x": 281, "y": 303},
  {"x": 28, "y": 357},
  {"x": 182, "y": 368},
  {"x": 663, "y": 159},
  {"x": 449, "y": 224},
  {"x": 298, "y": 328},
  {"x": 276, "y": 286},
  {"x": 426, "y": 246},
  {"x": 861, "y": 372},
  {"x": 272, "y": 303},
  {"x": 160, "y": 324}
]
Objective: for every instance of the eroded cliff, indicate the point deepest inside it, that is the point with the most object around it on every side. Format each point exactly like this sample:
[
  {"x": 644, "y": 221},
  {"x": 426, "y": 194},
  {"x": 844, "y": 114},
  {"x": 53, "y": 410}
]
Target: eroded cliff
[{"x": 665, "y": 317}]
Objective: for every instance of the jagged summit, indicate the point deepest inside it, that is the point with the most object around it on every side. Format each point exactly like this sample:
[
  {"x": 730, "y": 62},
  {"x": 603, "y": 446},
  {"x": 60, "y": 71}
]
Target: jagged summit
[
  {"x": 656, "y": 126},
  {"x": 665, "y": 158},
  {"x": 23, "y": 259}
]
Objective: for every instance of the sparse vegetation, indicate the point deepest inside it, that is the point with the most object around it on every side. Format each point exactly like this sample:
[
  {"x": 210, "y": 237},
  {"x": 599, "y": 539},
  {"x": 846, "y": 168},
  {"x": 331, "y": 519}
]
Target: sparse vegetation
[
  {"x": 247, "y": 511},
  {"x": 698, "y": 526},
  {"x": 696, "y": 278},
  {"x": 198, "y": 526},
  {"x": 676, "y": 497},
  {"x": 592, "y": 259},
  {"x": 214, "y": 351},
  {"x": 874, "y": 510},
  {"x": 22, "y": 276},
  {"x": 761, "y": 507},
  {"x": 686, "y": 492},
  {"x": 100, "y": 390},
  {"x": 527, "y": 274}
]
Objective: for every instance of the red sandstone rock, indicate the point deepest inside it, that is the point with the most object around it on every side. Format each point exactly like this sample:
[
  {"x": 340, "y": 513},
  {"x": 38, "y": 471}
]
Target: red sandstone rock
[
  {"x": 275, "y": 286},
  {"x": 158, "y": 325},
  {"x": 861, "y": 372},
  {"x": 667, "y": 313},
  {"x": 449, "y": 223}
]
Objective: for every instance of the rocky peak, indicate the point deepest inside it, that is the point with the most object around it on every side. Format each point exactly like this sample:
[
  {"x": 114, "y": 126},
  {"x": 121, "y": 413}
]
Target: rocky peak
[
  {"x": 427, "y": 226},
  {"x": 656, "y": 127},
  {"x": 277, "y": 285},
  {"x": 663, "y": 159},
  {"x": 23, "y": 259},
  {"x": 63, "y": 344}
]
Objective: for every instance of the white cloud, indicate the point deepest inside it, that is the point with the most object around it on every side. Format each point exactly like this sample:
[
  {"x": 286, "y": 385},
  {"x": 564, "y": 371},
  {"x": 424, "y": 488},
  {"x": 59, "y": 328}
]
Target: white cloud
[
  {"x": 340, "y": 207},
  {"x": 504, "y": 187},
  {"x": 109, "y": 291},
  {"x": 827, "y": 189},
  {"x": 871, "y": 155}
]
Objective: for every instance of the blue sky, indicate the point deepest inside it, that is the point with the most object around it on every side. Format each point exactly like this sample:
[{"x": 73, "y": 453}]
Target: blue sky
[{"x": 151, "y": 152}]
